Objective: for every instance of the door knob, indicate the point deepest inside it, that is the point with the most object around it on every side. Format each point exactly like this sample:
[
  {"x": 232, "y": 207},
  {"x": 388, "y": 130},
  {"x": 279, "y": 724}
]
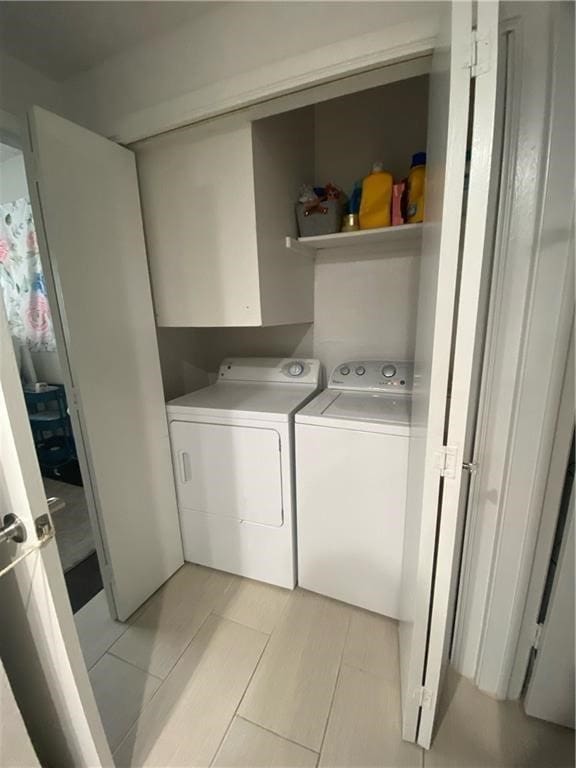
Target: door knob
[{"x": 12, "y": 529}]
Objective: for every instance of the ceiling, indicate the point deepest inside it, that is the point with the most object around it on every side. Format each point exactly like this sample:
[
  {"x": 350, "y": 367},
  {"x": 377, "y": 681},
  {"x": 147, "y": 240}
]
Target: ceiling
[{"x": 61, "y": 39}]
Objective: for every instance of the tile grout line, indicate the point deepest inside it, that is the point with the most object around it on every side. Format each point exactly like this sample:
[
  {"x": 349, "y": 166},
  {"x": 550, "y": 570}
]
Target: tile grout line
[
  {"x": 251, "y": 676},
  {"x": 192, "y": 638},
  {"x": 219, "y": 747},
  {"x": 212, "y": 612},
  {"x": 163, "y": 680},
  {"x": 366, "y": 671},
  {"x": 131, "y": 664},
  {"x": 240, "y": 623},
  {"x": 331, "y": 707},
  {"x": 279, "y": 735},
  {"x": 126, "y": 626}
]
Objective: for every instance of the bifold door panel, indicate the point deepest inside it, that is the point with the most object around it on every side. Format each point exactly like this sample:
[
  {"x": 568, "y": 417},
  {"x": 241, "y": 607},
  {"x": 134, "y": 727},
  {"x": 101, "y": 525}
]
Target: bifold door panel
[
  {"x": 228, "y": 471},
  {"x": 446, "y": 338},
  {"x": 84, "y": 192}
]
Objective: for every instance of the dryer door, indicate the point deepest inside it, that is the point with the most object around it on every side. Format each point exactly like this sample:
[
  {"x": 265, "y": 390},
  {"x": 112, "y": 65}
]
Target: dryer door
[{"x": 228, "y": 471}]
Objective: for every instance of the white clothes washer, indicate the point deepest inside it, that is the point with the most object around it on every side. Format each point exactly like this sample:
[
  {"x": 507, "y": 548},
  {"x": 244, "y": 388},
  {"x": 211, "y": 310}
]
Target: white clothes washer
[
  {"x": 233, "y": 453},
  {"x": 351, "y": 475}
]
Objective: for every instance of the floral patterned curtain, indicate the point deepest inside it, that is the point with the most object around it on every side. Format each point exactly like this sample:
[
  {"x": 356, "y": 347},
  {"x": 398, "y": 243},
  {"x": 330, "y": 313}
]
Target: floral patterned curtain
[{"x": 22, "y": 279}]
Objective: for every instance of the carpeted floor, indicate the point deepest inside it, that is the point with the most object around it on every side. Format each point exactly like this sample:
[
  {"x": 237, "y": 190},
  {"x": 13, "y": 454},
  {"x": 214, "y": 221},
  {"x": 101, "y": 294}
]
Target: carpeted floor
[{"x": 73, "y": 530}]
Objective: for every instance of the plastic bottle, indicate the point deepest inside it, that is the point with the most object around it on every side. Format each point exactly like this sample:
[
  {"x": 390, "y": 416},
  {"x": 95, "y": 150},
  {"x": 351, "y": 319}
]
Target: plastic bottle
[
  {"x": 376, "y": 198},
  {"x": 350, "y": 221},
  {"x": 416, "y": 188}
]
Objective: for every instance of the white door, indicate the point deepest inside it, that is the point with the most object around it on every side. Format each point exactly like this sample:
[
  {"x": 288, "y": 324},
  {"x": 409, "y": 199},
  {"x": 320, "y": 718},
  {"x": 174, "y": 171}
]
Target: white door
[
  {"x": 87, "y": 212},
  {"x": 550, "y": 692},
  {"x": 39, "y": 646},
  {"x": 15, "y": 745},
  {"x": 433, "y": 493},
  {"x": 228, "y": 471}
]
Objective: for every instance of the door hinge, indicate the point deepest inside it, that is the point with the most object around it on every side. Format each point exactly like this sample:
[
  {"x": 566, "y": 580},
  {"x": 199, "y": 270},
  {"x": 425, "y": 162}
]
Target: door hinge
[
  {"x": 537, "y": 636},
  {"x": 107, "y": 574},
  {"x": 423, "y": 696},
  {"x": 479, "y": 54},
  {"x": 445, "y": 461},
  {"x": 75, "y": 398}
]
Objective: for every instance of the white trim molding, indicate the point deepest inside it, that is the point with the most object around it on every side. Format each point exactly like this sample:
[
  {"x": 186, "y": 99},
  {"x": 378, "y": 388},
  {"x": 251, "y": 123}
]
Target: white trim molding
[
  {"x": 546, "y": 532},
  {"x": 337, "y": 60}
]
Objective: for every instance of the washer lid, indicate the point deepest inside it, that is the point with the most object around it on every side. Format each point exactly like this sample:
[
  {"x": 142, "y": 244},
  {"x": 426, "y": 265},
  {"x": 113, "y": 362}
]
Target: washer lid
[
  {"x": 370, "y": 407},
  {"x": 227, "y": 399},
  {"x": 366, "y": 411}
]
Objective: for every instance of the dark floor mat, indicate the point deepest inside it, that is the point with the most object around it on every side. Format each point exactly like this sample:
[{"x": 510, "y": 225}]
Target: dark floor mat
[
  {"x": 66, "y": 473},
  {"x": 84, "y": 581}
]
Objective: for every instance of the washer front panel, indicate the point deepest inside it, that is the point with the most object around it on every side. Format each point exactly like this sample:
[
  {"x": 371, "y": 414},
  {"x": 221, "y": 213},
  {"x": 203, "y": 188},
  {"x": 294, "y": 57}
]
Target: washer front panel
[{"x": 351, "y": 501}]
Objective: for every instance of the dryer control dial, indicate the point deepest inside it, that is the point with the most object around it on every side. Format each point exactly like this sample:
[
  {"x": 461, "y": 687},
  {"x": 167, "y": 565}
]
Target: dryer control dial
[
  {"x": 295, "y": 369},
  {"x": 344, "y": 370},
  {"x": 388, "y": 371},
  {"x": 360, "y": 371}
]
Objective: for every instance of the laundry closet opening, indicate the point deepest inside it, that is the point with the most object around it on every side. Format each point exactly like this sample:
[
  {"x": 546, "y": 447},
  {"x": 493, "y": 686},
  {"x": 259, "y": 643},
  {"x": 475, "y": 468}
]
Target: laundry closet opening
[
  {"x": 233, "y": 281},
  {"x": 219, "y": 202}
]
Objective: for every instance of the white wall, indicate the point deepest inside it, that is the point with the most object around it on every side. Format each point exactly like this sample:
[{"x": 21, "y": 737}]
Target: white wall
[
  {"x": 231, "y": 40},
  {"x": 386, "y": 123},
  {"x": 363, "y": 309},
  {"x": 47, "y": 367},
  {"x": 21, "y": 86},
  {"x": 13, "y": 179},
  {"x": 182, "y": 360}
]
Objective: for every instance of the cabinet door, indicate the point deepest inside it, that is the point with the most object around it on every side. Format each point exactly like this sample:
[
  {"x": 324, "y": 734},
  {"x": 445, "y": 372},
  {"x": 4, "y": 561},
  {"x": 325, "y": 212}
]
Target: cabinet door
[
  {"x": 86, "y": 206},
  {"x": 198, "y": 204},
  {"x": 433, "y": 510},
  {"x": 228, "y": 471}
]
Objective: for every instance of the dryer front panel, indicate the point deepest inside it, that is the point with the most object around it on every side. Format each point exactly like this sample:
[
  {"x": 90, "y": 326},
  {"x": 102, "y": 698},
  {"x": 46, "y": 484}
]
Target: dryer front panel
[{"x": 227, "y": 471}]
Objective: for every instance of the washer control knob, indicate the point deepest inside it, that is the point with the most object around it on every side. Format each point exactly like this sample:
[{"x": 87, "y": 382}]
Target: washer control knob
[
  {"x": 360, "y": 371},
  {"x": 295, "y": 369},
  {"x": 388, "y": 371},
  {"x": 344, "y": 370}
]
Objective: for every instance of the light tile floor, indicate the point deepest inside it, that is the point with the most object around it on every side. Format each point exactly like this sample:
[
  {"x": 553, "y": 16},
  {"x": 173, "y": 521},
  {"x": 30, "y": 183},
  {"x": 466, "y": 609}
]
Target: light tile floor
[{"x": 215, "y": 670}]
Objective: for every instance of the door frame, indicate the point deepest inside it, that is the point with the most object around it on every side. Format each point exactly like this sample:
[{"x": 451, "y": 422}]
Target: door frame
[
  {"x": 528, "y": 310},
  {"x": 550, "y": 508},
  {"x": 547, "y": 528}
]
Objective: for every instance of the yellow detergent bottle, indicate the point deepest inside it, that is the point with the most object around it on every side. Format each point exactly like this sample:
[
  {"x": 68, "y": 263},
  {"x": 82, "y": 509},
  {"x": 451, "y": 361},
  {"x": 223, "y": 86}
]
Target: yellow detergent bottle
[
  {"x": 416, "y": 188},
  {"x": 376, "y": 198}
]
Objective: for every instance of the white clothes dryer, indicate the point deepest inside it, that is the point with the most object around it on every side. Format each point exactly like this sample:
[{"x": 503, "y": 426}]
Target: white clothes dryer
[
  {"x": 351, "y": 475},
  {"x": 233, "y": 453}
]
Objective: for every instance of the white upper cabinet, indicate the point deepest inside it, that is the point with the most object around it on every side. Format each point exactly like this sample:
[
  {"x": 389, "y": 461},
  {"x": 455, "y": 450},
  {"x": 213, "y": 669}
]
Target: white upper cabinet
[{"x": 218, "y": 202}]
